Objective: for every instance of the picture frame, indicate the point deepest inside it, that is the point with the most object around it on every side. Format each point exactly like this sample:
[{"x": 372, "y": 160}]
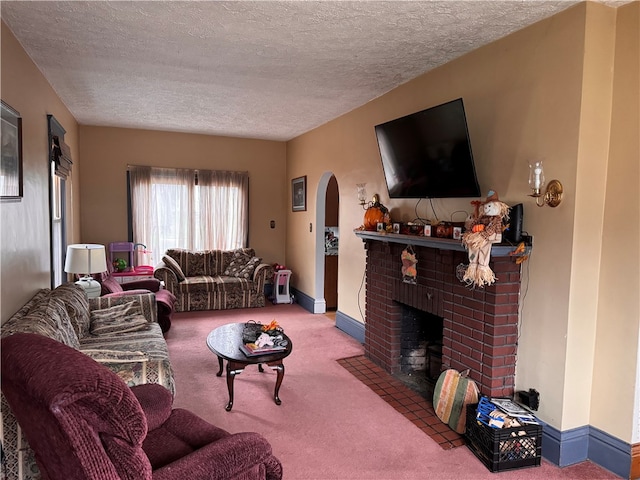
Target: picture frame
[
  {"x": 299, "y": 194},
  {"x": 11, "y": 161}
]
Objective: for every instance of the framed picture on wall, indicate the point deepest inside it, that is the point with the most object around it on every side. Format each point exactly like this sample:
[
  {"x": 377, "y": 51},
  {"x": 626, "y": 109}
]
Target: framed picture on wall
[
  {"x": 299, "y": 194},
  {"x": 11, "y": 162}
]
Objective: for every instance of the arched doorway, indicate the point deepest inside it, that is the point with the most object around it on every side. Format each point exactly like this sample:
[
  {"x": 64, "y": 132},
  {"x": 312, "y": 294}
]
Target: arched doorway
[
  {"x": 322, "y": 206},
  {"x": 331, "y": 242}
]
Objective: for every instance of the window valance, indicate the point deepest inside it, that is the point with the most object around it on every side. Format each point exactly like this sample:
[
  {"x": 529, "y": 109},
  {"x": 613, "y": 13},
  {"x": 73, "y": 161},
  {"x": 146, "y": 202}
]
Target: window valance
[{"x": 59, "y": 152}]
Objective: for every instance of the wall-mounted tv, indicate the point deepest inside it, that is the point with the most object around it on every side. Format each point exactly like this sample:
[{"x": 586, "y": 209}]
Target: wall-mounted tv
[{"x": 428, "y": 154}]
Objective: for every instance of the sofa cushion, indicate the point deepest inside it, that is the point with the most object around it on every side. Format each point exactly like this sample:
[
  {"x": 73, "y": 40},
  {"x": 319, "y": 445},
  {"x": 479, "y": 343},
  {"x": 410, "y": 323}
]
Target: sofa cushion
[
  {"x": 123, "y": 318},
  {"x": 202, "y": 283},
  {"x": 155, "y": 367}
]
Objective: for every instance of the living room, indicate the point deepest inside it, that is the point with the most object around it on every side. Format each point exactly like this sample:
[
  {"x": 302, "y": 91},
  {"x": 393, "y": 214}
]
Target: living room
[{"x": 564, "y": 90}]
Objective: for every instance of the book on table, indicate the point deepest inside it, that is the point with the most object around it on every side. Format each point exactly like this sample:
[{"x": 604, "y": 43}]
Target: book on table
[{"x": 251, "y": 350}]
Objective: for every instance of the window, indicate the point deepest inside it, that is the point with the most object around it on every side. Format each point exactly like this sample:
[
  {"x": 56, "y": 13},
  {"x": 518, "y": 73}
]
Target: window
[
  {"x": 57, "y": 228},
  {"x": 60, "y": 164},
  {"x": 192, "y": 209}
]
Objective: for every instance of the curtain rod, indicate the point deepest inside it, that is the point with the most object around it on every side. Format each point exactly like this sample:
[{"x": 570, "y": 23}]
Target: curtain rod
[{"x": 129, "y": 166}]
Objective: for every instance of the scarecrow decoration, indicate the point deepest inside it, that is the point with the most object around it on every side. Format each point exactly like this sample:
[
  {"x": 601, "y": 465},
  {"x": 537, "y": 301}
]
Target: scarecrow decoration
[
  {"x": 409, "y": 262},
  {"x": 483, "y": 228}
]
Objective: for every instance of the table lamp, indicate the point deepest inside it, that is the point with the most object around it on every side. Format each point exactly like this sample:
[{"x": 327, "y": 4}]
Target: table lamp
[{"x": 85, "y": 259}]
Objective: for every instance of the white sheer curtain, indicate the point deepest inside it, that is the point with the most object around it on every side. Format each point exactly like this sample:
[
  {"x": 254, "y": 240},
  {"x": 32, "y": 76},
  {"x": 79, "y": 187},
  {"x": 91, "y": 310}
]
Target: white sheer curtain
[
  {"x": 224, "y": 217},
  {"x": 169, "y": 210}
]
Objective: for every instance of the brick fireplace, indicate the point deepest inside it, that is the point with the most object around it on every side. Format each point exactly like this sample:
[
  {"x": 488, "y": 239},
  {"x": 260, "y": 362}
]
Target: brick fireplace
[{"x": 480, "y": 326}]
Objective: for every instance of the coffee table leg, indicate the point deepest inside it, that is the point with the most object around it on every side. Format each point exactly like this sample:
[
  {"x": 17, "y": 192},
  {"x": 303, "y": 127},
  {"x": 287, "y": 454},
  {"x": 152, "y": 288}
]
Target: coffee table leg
[
  {"x": 232, "y": 371},
  {"x": 280, "y": 371},
  {"x": 219, "y": 374}
]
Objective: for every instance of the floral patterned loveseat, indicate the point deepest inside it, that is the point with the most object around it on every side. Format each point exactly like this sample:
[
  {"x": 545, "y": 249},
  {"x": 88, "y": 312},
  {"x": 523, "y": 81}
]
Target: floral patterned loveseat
[
  {"x": 214, "y": 279},
  {"x": 120, "y": 332}
]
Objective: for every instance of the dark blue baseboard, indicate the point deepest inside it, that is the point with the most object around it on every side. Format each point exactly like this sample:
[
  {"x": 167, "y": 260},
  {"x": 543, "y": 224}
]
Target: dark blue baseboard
[
  {"x": 586, "y": 443},
  {"x": 350, "y": 326},
  {"x": 302, "y": 299}
]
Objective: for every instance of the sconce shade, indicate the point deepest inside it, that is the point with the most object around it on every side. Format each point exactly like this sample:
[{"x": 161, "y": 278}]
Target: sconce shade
[
  {"x": 536, "y": 176},
  {"x": 362, "y": 193},
  {"x": 85, "y": 258}
]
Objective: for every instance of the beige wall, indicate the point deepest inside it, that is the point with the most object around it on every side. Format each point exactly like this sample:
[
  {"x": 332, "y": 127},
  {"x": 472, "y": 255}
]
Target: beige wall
[
  {"x": 24, "y": 225},
  {"x": 543, "y": 93},
  {"x": 106, "y": 152},
  {"x": 618, "y": 307}
]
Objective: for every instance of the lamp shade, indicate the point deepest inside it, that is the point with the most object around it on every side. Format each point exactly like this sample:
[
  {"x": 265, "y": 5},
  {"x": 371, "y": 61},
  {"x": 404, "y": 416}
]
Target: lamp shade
[{"x": 85, "y": 258}]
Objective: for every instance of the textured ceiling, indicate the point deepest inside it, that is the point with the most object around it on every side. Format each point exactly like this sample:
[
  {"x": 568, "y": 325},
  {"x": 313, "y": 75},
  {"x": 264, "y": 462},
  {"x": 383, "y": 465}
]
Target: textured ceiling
[{"x": 267, "y": 69}]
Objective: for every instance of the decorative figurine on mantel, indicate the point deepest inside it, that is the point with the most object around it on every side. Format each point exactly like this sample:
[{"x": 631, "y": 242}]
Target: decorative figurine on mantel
[
  {"x": 375, "y": 212},
  {"x": 482, "y": 230}
]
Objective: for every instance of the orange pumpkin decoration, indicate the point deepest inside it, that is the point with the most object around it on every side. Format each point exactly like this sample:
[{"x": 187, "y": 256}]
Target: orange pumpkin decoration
[
  {"x": 477, "y": 228},
  {"x": 372, "y": 217}
]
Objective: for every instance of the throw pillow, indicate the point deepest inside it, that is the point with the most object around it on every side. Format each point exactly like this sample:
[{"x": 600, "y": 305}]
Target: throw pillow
[
  {"x": 241, "y": 267},
  {"x": 174, "y": 267},
  {"x": 123, "y": 318}
]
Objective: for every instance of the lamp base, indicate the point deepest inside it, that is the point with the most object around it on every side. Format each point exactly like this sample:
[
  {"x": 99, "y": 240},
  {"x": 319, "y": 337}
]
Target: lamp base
[{"x": 90, "y": 287}]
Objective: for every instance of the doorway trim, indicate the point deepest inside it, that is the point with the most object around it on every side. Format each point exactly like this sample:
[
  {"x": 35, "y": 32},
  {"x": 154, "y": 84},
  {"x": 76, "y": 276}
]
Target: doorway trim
[{"x": 320, "y": 304}]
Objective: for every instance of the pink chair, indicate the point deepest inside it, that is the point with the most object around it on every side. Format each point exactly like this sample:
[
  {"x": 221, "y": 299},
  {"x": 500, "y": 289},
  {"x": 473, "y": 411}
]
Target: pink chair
[
  {"x": 164, "y": 298},
  {"x": 84, "y": 423}
]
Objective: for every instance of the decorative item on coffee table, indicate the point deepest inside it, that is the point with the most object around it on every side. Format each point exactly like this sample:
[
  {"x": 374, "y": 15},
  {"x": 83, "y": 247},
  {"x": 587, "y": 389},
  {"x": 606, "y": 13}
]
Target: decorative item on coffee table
[{"x": 261, "y": 339}]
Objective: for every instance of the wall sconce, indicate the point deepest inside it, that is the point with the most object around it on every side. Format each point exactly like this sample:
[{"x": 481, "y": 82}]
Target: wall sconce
[
  {"x": 552, "y": 195},
  {"x": 362, "y": 194}
]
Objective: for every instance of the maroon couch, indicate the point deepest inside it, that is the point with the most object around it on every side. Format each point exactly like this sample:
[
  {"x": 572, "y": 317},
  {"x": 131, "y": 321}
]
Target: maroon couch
[{"x": 84, "y": 423}]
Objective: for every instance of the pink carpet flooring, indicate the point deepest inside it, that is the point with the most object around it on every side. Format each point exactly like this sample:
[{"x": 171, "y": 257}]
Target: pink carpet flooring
[{"x": 332, "y": 423}]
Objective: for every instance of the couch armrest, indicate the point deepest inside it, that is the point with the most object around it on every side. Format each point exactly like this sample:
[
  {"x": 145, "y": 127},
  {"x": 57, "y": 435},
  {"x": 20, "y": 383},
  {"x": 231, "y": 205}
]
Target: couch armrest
[
  {"x": 156, "y": 402},
  {"x": 147, "y": 301},
  {"x": 239, "y": 455},
  {"x": 151, "y": 284},
  {"x": 262, "y": 272},
  {"x": 166, "y": 275}
]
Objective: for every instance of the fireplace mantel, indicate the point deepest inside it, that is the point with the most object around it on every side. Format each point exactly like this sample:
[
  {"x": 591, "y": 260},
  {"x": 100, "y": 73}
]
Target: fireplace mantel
[{"x": 497, "y": 250}]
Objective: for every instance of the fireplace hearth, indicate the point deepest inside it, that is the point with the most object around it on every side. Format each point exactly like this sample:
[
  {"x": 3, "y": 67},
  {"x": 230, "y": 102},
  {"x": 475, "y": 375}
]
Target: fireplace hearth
[{"x": 479, "y": 326}]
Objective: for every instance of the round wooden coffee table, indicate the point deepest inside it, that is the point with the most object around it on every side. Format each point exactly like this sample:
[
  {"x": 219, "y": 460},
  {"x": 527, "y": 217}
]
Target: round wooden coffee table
[{"x": 225, "y": 342}]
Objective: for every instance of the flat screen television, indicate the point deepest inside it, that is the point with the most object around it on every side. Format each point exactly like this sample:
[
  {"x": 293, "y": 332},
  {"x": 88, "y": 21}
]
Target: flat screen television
[{"x": 428, "y": 154}]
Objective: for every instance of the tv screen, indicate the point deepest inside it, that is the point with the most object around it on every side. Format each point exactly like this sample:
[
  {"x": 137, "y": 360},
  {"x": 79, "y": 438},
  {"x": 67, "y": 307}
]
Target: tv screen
[{"x": 428, "y": 154}]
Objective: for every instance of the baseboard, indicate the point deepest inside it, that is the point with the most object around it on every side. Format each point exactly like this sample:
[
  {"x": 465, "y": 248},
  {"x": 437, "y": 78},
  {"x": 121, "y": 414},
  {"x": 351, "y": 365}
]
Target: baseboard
[
  {"x": 586, "y": 443},
  {"x": 567, "y": 447},
  {"x": 609, "y": 452},
  {"x": 310, "y": 304},
  {"x": 350, "y": 326}
]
